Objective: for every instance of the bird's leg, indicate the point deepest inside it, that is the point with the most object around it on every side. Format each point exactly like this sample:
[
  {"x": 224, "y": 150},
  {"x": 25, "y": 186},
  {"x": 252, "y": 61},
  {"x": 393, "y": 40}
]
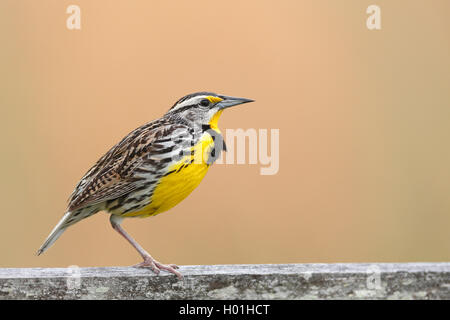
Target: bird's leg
[{"x": 149, "y": 261}]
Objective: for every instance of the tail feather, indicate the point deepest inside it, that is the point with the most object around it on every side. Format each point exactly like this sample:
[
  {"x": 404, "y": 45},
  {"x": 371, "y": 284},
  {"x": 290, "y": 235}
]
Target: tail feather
[{"x": 56, "y": 233}]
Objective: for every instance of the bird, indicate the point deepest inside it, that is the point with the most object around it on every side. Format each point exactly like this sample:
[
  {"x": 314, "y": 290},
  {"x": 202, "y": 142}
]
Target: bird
[{"x": 151, "y": 169}]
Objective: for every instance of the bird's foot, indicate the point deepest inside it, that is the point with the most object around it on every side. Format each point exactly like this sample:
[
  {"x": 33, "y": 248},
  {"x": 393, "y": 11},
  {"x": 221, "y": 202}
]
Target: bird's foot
[{"x": 156, "y": 266}]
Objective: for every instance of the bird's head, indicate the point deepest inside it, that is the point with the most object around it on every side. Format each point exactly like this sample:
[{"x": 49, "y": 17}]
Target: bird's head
[{"x": 203, "y": 108}]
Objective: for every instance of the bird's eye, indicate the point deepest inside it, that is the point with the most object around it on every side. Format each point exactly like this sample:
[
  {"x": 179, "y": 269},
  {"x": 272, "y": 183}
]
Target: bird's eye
[{"x": 204, "y": 102}]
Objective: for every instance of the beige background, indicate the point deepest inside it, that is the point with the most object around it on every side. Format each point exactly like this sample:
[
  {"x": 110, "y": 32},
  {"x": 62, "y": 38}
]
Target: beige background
[{"x": 363, "y": 116}]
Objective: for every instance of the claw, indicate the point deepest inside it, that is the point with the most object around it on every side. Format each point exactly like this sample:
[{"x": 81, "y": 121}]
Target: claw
[{"x": 157, "y": 267}]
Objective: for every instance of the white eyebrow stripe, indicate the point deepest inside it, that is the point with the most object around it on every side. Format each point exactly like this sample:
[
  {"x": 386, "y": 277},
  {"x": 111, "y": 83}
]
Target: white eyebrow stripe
[{"x": 190, "y": 101}]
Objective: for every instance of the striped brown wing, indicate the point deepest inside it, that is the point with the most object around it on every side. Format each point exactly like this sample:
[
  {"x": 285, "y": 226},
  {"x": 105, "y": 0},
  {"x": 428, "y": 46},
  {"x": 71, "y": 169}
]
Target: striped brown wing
[{"x": 114, "y": 175}]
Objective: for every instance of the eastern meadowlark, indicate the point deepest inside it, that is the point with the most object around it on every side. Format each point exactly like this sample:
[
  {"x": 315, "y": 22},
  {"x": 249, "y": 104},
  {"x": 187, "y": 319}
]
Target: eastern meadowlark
[{"x": 152, "y": 169}]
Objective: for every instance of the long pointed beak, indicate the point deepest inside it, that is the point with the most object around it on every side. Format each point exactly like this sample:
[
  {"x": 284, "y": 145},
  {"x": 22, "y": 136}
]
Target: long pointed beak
[{"x": 232, "y": 101}]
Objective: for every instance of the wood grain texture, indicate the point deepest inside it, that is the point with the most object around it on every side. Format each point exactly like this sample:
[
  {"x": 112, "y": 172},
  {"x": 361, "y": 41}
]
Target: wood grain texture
[{"x": 280, "y": 281}]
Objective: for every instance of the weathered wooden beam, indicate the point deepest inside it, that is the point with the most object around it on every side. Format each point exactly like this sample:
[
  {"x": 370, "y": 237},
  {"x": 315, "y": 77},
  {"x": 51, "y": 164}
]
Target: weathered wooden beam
[{"x": 277, "y": 281}]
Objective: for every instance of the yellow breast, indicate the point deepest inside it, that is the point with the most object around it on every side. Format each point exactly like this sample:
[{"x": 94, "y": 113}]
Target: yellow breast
[{"x": 182, "y": 178}]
